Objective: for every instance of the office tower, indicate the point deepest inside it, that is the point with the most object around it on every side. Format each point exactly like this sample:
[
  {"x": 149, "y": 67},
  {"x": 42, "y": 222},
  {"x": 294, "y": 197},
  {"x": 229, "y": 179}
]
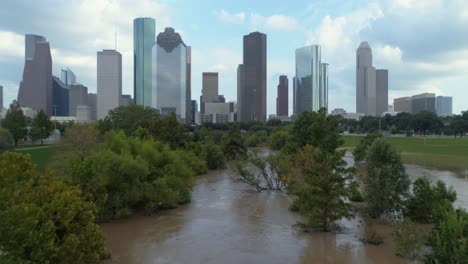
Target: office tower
[
  {"x": 126, "y": 100},
  {"x": 423, "y": 102},
  {"x": 109, "y": 81},
  {"x": 92, "y": 103},
  {"x": 83, "y": 114},
  {"x": 282, "y": 98},
  {"x": 1, "y": 98},
  {"x": 443, "y": 105},
  {"x": 60, "y": 97},
  {"x": 403, "y": 104},
  {"x": 310, "y": 88},
  {"x": 188, "y": 96},
  {"x": 68, "y": 77},
  {"x": 35, "y": 89},
  {"x": 294, "y": 96},
  {"x": 210, "y": 89},
  {"x": 144, "y": 32},
  {"x": 371, "y": 84},
  {"x": 78, "y": 95},
  {"x": 252, "y": 91},
  {"x": 193, "y": 109},
  {"x": 170, "y": 74}
]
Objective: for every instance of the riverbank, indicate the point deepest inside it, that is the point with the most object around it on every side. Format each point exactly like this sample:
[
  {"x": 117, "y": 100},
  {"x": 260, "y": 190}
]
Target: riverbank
[{"x": 440, "y": 153}]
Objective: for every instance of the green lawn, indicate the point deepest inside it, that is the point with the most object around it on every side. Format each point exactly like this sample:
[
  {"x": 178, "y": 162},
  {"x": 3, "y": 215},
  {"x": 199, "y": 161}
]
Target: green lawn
[
  {"x": 41, "y": 155},
  {"x": 443, "y": 153}
]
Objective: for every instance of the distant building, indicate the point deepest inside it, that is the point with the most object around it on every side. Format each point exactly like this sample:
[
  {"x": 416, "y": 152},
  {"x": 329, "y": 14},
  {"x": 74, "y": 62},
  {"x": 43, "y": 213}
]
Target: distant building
[
  {"x": 423, "y": 102},
  {"x": 188, "y": 85},
  {"x": 194, "y": 109},
  {"x": 92, "y": 103},
  {"x": 126, "y": 100},
  {"x": 282, "y": 99},
  {"x": 83, "y": 114},
  {"x": 217, "y": 112},
  {"x": 403, "y": 104},
  {"x": 338, "y": 111},
  {"x": 144, "y": 33},
  {"x": 251, "y": 79},
  {"x": 170, "y": 75},
  {"x": 109, "y": 81},
  {"x": 371, "y": 84},
  {"x": 354, "y": 116},
  {"x": 1, "y": 97},
  {"x": 68, "y": 77},
  {"x": 35, "y": 89},
  {"x": 78, "y": 95},
  {"x": 323, "y": 90},
  {"x": 391, "y": 108},
  {"x": 60, "y": 97},
  {"x": 210, "y": 89},
  {"x": 29, "y": 112},
  {"x": 443, "y": 106}
]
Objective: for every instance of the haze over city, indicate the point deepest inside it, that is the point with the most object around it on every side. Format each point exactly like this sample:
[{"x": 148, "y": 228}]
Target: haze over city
[{"x": 421, "y": 43}]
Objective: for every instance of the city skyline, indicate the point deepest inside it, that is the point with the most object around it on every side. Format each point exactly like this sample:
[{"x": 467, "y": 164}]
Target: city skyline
[{"x": 413, "y": 69}]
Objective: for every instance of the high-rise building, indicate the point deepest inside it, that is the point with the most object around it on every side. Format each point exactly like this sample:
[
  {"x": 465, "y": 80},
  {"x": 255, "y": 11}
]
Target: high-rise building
[
  {"x": 92, "y": 103},
  {"x": 170, "y": 75},
  {"x": 144, "y": 32},
  {"x": 282, "y": 98},
  {"x": 443, "y": 105},
  {"x": 109, "y": 81},
  {"x": 1, "y": 98},
  {"x": 68, "y": 77},
  {"x": 193, "y": 109},
  {"x": 60, "y": 97},
  {"x": 252, "y": 92},
  {"x": 403, "y": 104},
  {"x": 210, "y": 89},
  {"x": 423, "y": 102},
  {"x": 78, "y": 95},
  {"x": 311, "y": 80},
  {"x": 126, "y": 100},
  {"x": 188, "y": 97},
  {"x": 371, "y": 84},
  {"x": 35, "y": 89}
]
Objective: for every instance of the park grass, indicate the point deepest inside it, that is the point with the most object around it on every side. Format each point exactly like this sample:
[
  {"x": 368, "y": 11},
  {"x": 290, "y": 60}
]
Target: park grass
[
  {"x": 40, "y": 155},
  {"x": 441, "y": 153}
]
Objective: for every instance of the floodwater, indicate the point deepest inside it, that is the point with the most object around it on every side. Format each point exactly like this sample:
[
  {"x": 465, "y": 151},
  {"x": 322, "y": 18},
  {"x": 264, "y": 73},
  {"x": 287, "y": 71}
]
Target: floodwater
[{"x": 230, "y": 222}]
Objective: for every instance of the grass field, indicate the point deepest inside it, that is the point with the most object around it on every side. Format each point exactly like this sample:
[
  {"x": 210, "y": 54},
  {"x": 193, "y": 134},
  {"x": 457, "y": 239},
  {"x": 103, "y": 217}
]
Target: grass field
[
  {"x": 442, "y": 153},
  {"x": 41, "y": 155}
]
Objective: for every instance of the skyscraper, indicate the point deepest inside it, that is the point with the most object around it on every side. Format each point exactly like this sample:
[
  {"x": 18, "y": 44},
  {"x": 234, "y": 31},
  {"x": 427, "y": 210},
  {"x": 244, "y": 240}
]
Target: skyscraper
[
  {"x": 1, "y": 98},
  {"x": 210, "y": 89},
  {"x": 144, "y": 31},
  {"x": 68, "y": 77},
  {"x": 443, "y": 105},
  {"x": 188, "y": 97},
  {"x": 423, "y": 102},
  {"x": 170, "y": 74},
  {"x": 403, "y": 104},
  {"x": 78, "y": 96},
  {"x": 240, "y": 92},
  {"x": 253, "y": 84},
  {"x": 60, "y": 97},
  {"x": 109, "y": 81},
  {"x": 35, "y": 89},
  {"x": 193, "y": 109},
  {"x": 92, "y": 103},
  {"x": 311, "y": 80},
  {"x": 126, "y": 100},
  {"x": 371, "y": 84},
  {"x": 282, "y": 98}
]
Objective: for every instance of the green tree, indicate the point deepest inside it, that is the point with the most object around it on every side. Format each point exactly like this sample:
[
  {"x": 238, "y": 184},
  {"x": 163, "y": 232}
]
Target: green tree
[
  {"x": 6, "y": 140},
  {"x": 323, "y": 196},
  {"x": 278, "y": 139},
  {"x": 80, "y": 140},
  {"x": 386, "y": 183},
  {"x": 41, "y": 127},
  {"x": 234, "y": 145},
  {"x": 409, "y": 239},
  {"x": 43, "y": 220},
  {"x": 427, "y": 202},
  {"x": 361, "y": 149},
  {"x": 449, "y": 239},
  {"x": 252, "y": 141},
  {"x": 15, "y": 122},
  {"x": 213, "y": 155}
]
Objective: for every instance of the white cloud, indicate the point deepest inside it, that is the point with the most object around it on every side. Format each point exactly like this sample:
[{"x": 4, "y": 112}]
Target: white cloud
[
  {"x": 235, "y": 18},
  {"x": 274, "y": 22},
  {"x": 387, "y": 54},
  {"x": 11, "y": 44}
]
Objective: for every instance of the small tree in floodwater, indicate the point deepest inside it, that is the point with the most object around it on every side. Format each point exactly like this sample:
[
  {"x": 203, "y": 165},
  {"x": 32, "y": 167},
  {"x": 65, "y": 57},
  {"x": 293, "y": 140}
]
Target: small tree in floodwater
[
  {"x": 323, "y": 195},
  {"x": 265, "y": 173}
]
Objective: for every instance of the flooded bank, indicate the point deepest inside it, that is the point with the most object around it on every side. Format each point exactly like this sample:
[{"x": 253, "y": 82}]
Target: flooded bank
[{"x": 229, "y": 222}]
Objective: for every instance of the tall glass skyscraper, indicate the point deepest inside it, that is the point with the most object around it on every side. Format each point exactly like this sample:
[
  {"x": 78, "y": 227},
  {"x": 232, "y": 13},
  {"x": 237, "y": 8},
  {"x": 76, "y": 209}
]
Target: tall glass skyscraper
[
  {"x": 170, "y": 75},
  {"x": 323, "y": 93},
  {"x": 307, "y": 79},
  {"x": 144, "y": 32}
]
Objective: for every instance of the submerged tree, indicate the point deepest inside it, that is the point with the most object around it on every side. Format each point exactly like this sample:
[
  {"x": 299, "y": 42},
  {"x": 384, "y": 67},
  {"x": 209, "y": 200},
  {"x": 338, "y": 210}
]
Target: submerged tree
[{"x": 361, "y": 149}]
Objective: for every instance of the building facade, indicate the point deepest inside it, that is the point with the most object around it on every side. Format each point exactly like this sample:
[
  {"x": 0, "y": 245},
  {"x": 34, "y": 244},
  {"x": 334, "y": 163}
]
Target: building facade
[
  {"x": 68, "y": 77},
  {"x": 323, "y": 91},
  {"x": 423, "y": 102},
  {"x": 188, "y": 97},
  {"x": 1, "y": 97},
  {"x": 403, "y": 105},
  {"x": 35, "y": 89},
  {"x": 92, "y": 103},
  {"x": 60, "y": 97},
  {"x": 210, "y": 89},
  {"x": 126, "y": 100},
  {"x": 144, "y": 32},
  {"x": 252, "y": 92},
  {"x": 170, "y": 75},
  {"x": 78, "y": 95},
  {"x": 381, "y": 78},
  {"x": 282, "y": 99},
  {"x": 109, "y": 81},
  {"x": 443, "y": 106},
  {"x": 193, "y": 109}
]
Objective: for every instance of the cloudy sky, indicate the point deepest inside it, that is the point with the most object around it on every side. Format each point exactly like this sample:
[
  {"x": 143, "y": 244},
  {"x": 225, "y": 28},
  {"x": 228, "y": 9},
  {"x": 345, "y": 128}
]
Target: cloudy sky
[{"x": 424, "y": 44}]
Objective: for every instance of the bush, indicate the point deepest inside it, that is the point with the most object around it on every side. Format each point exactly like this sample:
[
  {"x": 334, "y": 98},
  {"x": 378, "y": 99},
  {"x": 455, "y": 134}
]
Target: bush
[
  {"x": 6, "y": 140},
  {"x": 213, "y": 156},
  {"x": 361, "y": 149},
  {"x": 356, "y": 195},
  {"x": 409, "y": 240},
  {"x": 370, "y": 235},
  {"x": 252, "y": 141},
  {"x": 278, "y": 139}
]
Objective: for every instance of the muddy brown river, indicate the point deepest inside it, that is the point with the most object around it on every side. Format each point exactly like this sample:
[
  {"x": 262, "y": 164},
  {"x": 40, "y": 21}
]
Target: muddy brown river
[{"x": 229, "y": 222}]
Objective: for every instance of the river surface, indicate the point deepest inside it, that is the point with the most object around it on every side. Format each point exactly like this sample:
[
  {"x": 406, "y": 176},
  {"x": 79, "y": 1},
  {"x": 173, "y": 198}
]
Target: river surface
[{"x": 230, "y": 222}]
